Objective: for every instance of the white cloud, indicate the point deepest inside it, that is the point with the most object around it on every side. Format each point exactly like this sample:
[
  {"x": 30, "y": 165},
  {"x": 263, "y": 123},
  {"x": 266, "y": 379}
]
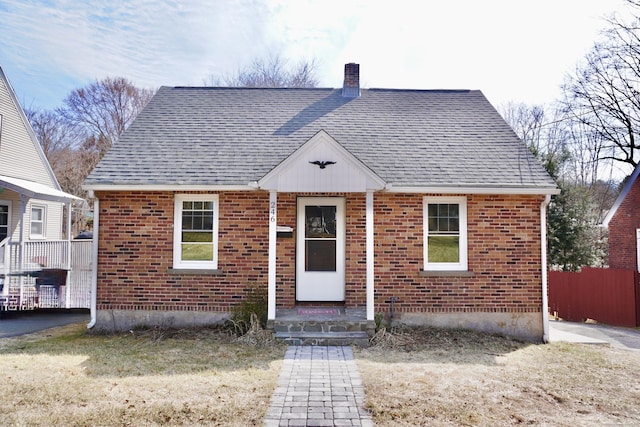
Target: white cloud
[
  {"x": 150, "y": 42},
  {"x": 511, "y": 50}
]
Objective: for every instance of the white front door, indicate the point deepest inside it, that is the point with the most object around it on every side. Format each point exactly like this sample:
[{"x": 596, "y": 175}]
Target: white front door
[{"x": 320, "y": 260}]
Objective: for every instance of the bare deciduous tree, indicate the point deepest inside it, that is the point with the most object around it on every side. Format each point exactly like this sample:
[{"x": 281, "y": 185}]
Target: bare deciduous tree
[
  {"x": 604, "y": 93},
  {"x": 527, "y": 123},
  {"x": 76, "y": 136},
  {"x": 101, "y": 111},
  {"x": 544, "y": 137},
  {"x": 50, "y": 130},
  {"x": 271, "y": 72}
]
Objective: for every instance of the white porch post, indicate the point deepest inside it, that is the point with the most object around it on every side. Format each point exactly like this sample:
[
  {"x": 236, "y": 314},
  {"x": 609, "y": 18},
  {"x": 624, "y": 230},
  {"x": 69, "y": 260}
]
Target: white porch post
[
  {"x": 23, "y": 210},
  {"x": 273, "y": 224},
  {"x": 370, "y": 248},
  {"x": 67, "y": 284}
]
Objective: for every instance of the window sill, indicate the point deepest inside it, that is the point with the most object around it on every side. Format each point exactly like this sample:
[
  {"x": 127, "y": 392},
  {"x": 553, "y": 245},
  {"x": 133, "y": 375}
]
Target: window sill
[
  {"x": 194, "y": 271},
  {"x": 446, "y": 273}
]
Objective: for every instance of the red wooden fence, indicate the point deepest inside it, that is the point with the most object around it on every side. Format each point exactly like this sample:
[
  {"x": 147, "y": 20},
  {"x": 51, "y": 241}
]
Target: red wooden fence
[{"x": 606, "y": 295}]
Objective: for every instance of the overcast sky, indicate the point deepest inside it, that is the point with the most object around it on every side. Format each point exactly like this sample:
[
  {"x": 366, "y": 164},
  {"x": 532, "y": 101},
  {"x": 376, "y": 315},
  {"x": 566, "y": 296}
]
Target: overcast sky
[{"x": 512, "y": 50}]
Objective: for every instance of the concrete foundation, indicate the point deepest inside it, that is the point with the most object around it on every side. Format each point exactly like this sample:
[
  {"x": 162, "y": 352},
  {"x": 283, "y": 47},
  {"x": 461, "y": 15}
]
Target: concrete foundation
[
  {"x": 525, "y": 326},
  {"x": 123, "y": 320}
]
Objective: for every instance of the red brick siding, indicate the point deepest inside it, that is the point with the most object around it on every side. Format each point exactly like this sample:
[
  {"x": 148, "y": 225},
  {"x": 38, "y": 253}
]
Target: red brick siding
[
  {"x": 136, "y": 251},
  {"x": 622, "y": 231},
  {"x": 355, "y": 247},
  {"x": 286, "y": 253},
  {"x": 503, "y": 248},
  {"x": 398, "y": 250}
]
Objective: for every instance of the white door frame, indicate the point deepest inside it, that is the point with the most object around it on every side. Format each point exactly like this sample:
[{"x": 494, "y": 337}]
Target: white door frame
[{"x": 321, "y": 285}]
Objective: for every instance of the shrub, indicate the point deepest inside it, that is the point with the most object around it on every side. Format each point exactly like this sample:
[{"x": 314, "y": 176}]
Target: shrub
[{"x": 254, "y": 303}]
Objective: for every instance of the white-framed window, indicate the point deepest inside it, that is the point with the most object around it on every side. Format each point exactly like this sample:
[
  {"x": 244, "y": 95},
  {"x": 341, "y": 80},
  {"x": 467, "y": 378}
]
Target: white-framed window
[
  {"x": 445, "y": 233},
  {"x": 195, "y": 235},
  {"x": 38, "y": 217}
]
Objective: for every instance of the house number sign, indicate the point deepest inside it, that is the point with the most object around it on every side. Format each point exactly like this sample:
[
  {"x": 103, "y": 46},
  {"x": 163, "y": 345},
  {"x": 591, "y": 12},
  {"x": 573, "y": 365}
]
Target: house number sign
[{"x": 272, "y": 211}]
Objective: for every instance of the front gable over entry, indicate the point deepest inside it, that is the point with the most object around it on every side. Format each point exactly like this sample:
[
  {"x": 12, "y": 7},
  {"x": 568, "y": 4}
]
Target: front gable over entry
[{"x": 335, "y": 170}]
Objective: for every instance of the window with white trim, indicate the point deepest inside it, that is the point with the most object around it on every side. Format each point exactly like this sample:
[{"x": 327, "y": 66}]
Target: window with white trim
[
  {"x": 38, "y": 216},
  {"x": 195, "y": 236},
  {"x": 445, "y": 234}
]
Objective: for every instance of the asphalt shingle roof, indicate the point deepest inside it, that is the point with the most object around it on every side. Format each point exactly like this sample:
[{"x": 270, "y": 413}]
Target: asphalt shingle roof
[{"x": 234, "y": 136}]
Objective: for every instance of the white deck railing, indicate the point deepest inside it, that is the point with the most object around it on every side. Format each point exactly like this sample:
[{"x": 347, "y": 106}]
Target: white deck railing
[
  {"x": 39, "y": 255},
  {"x": 19, "y": 288}
]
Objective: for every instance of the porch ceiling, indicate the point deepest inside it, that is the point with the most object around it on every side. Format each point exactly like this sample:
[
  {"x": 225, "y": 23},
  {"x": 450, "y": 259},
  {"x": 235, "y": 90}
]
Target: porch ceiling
[{"x": 35, "y": 190}]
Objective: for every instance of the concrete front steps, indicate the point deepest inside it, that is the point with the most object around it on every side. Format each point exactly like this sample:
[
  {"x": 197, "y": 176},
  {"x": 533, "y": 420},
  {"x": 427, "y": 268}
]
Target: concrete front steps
[{"x": 323, "y": 326}]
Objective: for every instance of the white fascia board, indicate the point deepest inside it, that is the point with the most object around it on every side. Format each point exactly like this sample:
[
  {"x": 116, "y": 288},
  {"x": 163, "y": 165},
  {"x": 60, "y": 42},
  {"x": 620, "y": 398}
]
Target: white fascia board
[
  {"x": 475, "y": 190},
  {"x": 166, "y": 187},
  {"x": 388, "y": 188},
  {"x": 35, "y": 190}
]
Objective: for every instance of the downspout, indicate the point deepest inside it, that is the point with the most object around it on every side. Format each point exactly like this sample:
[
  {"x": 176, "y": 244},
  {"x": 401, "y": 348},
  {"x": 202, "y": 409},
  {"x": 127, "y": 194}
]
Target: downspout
[
  {"x": 543, "y": 249},
  {"x": 94, "y": 263}
]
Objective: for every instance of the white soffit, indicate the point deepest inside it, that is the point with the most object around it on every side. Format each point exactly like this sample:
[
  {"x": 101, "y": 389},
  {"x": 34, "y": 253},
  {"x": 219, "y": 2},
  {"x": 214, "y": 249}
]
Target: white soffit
[{"x": 35, "y": 190}]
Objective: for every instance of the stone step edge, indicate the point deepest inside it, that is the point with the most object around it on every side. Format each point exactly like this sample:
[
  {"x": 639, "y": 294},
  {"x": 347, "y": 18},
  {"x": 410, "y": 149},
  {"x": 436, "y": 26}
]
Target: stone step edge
[
  {"x": 359, "y": 339},
  {"x": 327, "y": 335},
  {"x": 315, "y": 329}
]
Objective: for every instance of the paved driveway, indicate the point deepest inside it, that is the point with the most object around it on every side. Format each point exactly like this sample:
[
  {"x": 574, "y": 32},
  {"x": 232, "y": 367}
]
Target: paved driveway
[
  {"x": 624, "y": 338},
  {"x": 13, "y": 324}
]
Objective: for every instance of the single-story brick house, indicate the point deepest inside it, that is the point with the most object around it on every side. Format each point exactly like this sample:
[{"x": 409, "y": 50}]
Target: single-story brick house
[
  {"x": 347, "y": 196},
  {"x": 623, "y": 223}
]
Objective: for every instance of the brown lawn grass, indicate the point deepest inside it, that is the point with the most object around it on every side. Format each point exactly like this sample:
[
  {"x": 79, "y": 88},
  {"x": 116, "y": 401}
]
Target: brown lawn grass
[
  {"x": 459, "y": 378},
  {"x": 66, "y": 377}
]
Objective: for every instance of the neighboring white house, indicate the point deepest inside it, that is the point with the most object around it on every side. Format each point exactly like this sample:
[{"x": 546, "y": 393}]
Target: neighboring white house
[{"x": 31, "y": 207}]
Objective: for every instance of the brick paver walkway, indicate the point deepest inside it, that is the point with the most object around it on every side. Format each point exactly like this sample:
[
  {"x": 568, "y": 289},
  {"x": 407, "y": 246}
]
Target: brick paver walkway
[{"x": 318, "y": 386}]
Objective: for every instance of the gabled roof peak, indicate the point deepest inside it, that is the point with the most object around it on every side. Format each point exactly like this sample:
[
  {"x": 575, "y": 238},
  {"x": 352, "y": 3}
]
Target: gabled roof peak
[{"x": 321, "y": 164}]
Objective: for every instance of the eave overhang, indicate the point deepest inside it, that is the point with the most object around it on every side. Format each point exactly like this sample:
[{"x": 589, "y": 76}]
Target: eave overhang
[
  {"x": 34, "y": 190},
  {"x": 470, "y": 189},
  {"x": 253, "y": 186},
  {"x": 166, "y": 187}
]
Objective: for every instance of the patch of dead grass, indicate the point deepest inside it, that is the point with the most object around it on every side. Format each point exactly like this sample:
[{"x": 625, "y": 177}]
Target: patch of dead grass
[
  {"x": 149, "y": 377},
  {"x": 453, "y": 378},
  {"x": 205, "y": 377}
]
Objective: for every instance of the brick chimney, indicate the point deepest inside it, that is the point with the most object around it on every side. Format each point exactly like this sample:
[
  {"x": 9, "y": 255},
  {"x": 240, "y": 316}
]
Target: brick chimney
[{"x": 351, "y": 85}]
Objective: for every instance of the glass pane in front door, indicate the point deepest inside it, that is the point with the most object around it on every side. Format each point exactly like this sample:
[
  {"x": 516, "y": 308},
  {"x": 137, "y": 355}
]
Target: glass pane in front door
[{"x": 320, "y": 238}]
